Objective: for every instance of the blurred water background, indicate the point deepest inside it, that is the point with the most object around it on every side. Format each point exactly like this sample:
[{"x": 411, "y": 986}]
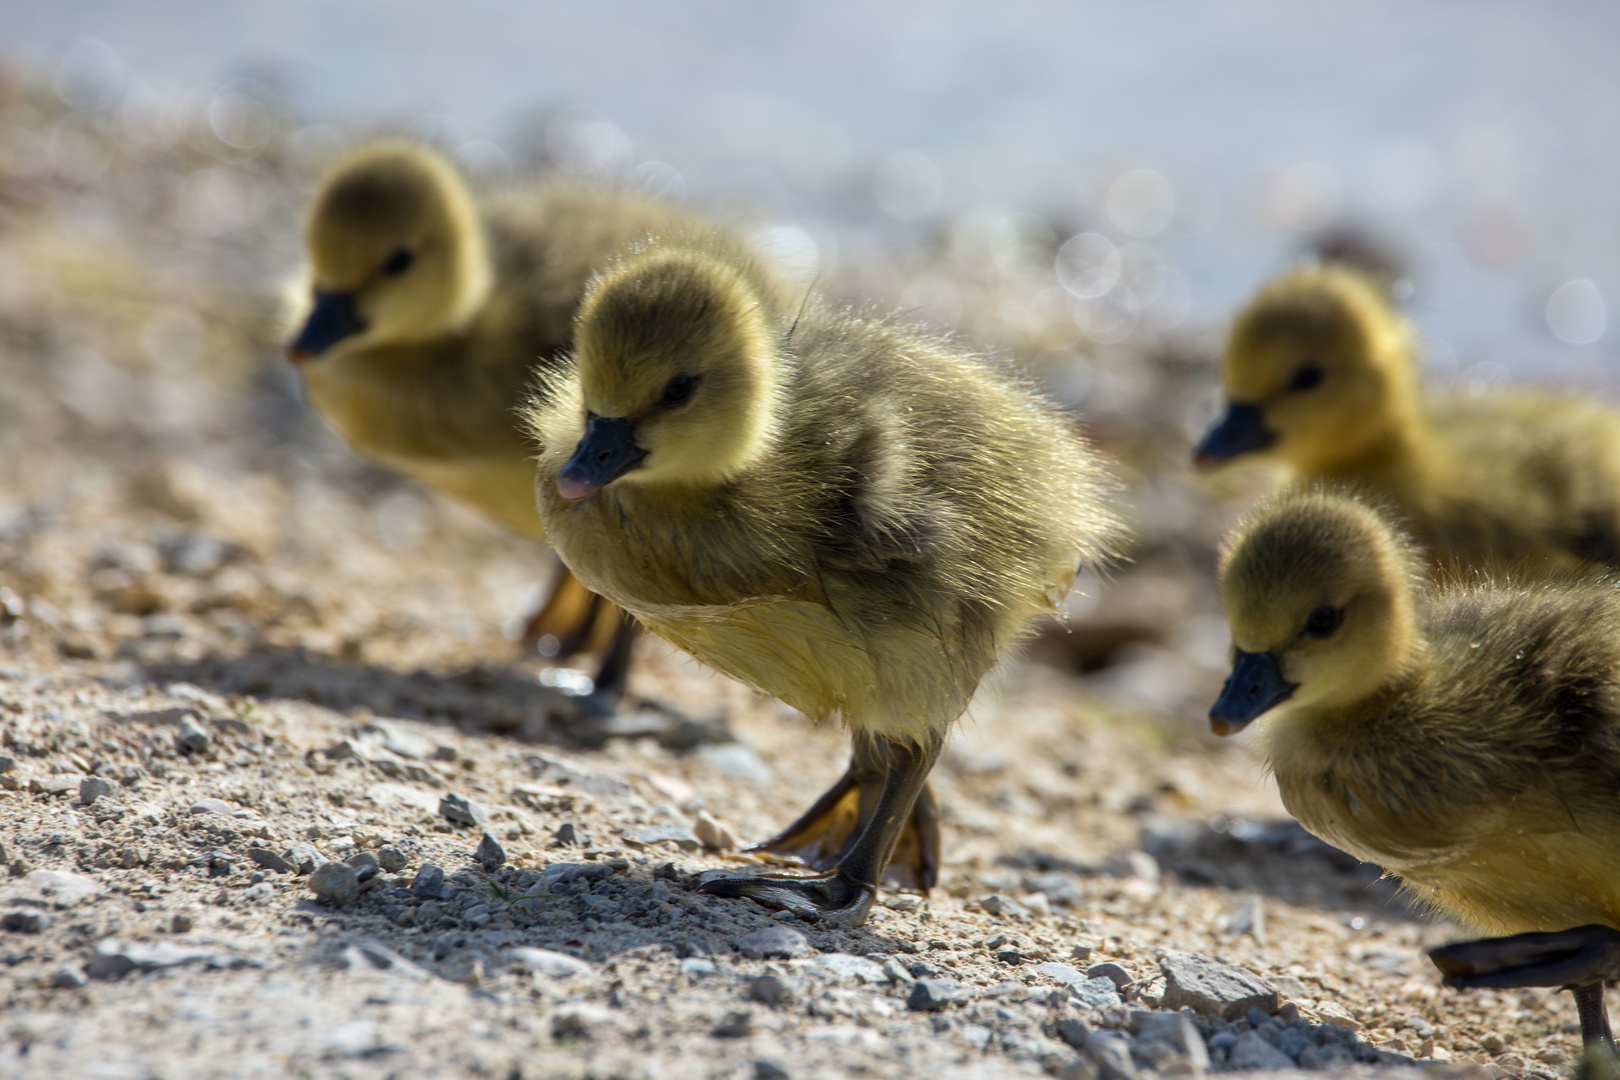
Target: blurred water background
[{"x": 1150, "y": 163}]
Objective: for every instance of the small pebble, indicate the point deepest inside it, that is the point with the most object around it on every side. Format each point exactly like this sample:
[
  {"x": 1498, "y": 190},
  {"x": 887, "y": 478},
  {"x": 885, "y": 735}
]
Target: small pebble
[
  {"x": 68, "y": 979},
  {"x": 1112, "y": 972},
  {"x": 734, "y": 1025},
  {"x": 770, "y": 989},
  {"x": 181, "y": 923},
  {"x": 391, "y": 859},
  {"x": 335, "y": 884},
  {"x": 931, "y": 995},
  {"x": 92, "y": 788},
  {"x": 26, "y": 920},
  {"x": 490, "y": 854},
  {"x": 192, "y": 738},
  {"x": 712, "y": 834},
  {"x": 429, "y": 884},
  {"x": 303, "y": 857},
  {"x": 461, "y": 811},
  {"x": 769, "y": 1070},
  {"x": 271, "y": 861},
  {"x": 1214, "y": 989},
  {"x": 212, "y": 806},
  {"x": 773, "y": 942}
]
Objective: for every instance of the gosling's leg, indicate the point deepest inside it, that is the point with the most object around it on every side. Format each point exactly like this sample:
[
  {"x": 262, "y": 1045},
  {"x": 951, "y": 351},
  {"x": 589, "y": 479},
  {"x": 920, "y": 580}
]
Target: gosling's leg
[
  {"x": 565, "y": 623},
  {"x": 844, "y": 892},
  {"x": 613, "y": 677},
  {"x": 1594, "y": 1015},
  {"x": 826, "y": 832},
  {"x": 1580, "y": 959}
]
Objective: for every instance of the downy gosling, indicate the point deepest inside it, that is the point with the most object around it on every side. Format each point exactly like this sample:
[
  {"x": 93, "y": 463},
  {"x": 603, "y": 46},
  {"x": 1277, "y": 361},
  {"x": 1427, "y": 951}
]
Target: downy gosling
[
  {"x": 850, "y": 515},
  {"x": 1464, "y": 737},
  {"x": 1319, "y": 374},
  {"x": 428, "y": 314}
]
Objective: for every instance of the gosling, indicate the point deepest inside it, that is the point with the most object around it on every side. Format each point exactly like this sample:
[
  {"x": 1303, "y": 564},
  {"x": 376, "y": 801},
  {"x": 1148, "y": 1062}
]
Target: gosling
[
  {"x": 852, "y": 516},
  {"x": 1465, "y": 737},
  {"x": 426, "y": 317},
  {"x": 1319, "y": 375}
]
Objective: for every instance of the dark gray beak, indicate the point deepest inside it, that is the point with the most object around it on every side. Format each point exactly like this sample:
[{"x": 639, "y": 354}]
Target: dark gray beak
[
  {"x": 607, "y": 452},
  {"x": 1255, "y": 685},
  {"x": 1241, "y": 431},
  {"x": 333, "y": 319}
]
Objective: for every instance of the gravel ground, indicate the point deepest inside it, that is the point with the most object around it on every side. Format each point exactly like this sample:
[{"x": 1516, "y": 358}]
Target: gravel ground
[{"x": 279, "y": 798}]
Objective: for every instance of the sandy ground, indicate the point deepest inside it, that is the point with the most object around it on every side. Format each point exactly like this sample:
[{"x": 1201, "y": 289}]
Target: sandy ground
[{"x": 228, "y": 648}]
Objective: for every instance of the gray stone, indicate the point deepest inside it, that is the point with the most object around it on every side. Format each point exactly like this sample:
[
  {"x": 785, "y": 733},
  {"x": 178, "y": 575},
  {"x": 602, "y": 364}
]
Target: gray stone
[
  {"x": 335, "y": 883},
  {"x": 428, "y": 913},
  {"x": 1002, "y": 906},
  {"x": 476, "y": 916},
  {"x": 365, "y": 865},
  {"x": 566, "y": 834},
  {"x": 271, "y": 861},
  {"x": 773, "y": 942},
  {"x": 679, "y": 835},
  {"x": 7, "y": 763},
  {"x": 553, "y": 965},
  {"x": 1291, "y": 988},
  {"x": 845, "y": 966},
  {"x": 1214, "y": 989},
  {"x": 391, "y": 859},
  {"x": 67, "y": 979},
  {"x": 1175, "y": 1029},
  {"x": 1081, "y": 1068},
  {"x": 1057, "y": 887},
  {"x": 399, "y": 739},
  {"x": 895, "y": 971},
  {"x": 429, "y": 884},
  {"x": 212, "y": 806},
  {"x": 62, "y": 886},
  {"x": 1112, "y": 972},
  {"x": 1067, "y": 974},
  {"x": 699, "y": 967},
  {"x": 1112, "y": 1053},
  {"x": 1074, "y": 1031},
  {"x": 771, "y": 989},
  {"x": 490, "y": 854},
  {"x": 26, "y": 920},
  {"x": 192, "y": 738},
  {"x": 114, "y": 958},
  {"x": 92, "y": 788},
  {"x": 734, "y": 1025},
  {"x": 181, "y": 923},
  {"x": 1096, "y": 994},
  {"x": 765, "y": 1069},
  {"x": 932, "y": 995},
  {"x": 303, "y": 857},
  {"x": 1252, "y": 1051},
  {"x": 461, "y": 811}
]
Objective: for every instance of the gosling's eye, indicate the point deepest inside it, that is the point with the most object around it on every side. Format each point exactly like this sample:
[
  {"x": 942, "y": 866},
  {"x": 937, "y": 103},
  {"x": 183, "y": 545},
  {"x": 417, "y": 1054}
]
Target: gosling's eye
[
  {"x": 399, "y": 262},
  {"x": 1308, "y": 377},
  {"x": 1323, "y": 621},
  {"x": 677, "y": 390}
]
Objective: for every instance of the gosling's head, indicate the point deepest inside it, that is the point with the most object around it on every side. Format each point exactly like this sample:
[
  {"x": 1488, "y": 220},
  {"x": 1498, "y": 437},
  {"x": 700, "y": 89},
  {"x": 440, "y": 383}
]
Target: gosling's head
[
  {"x": 678, "y": 373},
  {"x": 1317, "y": 368},
  {"x": 1319, "y": 590},
  {"x": 396, "y": 252}
]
